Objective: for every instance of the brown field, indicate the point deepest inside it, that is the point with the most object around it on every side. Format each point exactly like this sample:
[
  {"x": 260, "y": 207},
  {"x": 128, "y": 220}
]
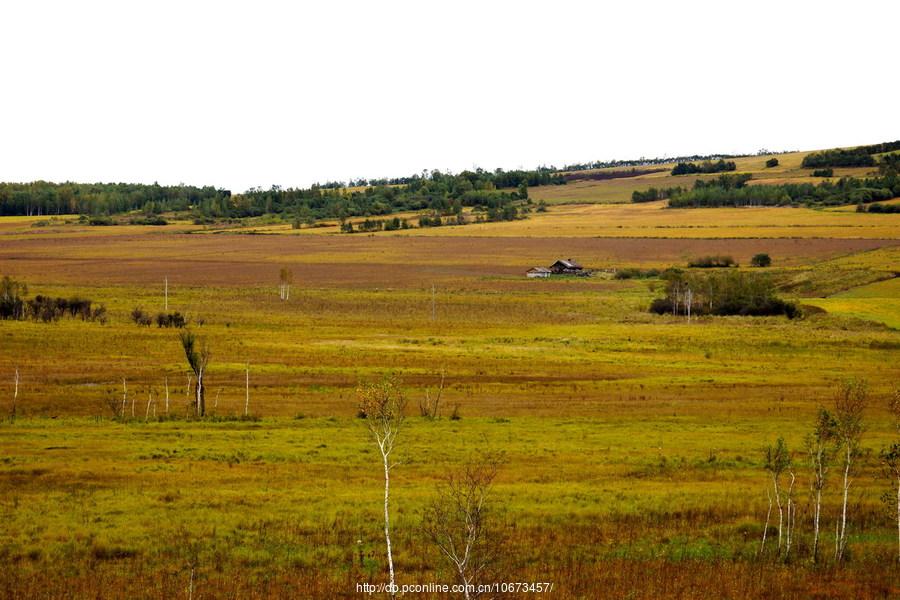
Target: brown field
[{"x": 632, "y": 442}]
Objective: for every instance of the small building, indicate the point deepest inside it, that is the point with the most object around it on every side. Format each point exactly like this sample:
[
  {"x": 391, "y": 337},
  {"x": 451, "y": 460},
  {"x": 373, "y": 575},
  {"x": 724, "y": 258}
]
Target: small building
[
  {"x": 538, "y": 272},
  {"x": 566, "y": 267}
]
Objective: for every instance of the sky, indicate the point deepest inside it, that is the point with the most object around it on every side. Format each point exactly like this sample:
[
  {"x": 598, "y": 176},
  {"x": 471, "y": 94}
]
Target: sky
[{"x": 261, "y": 93}]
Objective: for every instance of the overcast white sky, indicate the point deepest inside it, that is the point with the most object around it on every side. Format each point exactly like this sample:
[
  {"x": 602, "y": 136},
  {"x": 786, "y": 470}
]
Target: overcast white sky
[{"x": 241, "y": 94}]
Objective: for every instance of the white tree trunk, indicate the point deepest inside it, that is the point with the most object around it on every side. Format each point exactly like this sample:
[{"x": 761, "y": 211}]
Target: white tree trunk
[
  {"x": 762, "y": 546},
  {"x": 818, "y": 512},
  {"x": 15, "y": 394},
  {"x": 387, "y": 529},
  {"x": 842, "y": 536},
  {"x": 780, "y": 510},
  {"x": 199, "y": 391}
]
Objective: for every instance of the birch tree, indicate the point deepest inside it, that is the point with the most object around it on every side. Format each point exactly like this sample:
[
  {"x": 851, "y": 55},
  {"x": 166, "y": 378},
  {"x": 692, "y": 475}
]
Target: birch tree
[
  {"x": 459, "y": 523},
  {"x": 197, "y": 353},
  {"x": 285, "y": 278},
  {"x": 430, "y": 405},
  {"x": 777, "y": 461},
  {"x": 849, "y": 405},
  {"x": 382, "y": 404},
  {"x": 819, "y": 451},
  {"x": 890, "y": 459}
]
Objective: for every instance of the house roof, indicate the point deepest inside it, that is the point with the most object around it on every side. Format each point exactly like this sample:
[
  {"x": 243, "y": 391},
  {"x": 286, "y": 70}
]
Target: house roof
[
  {"x": 539, "y": 270},
  {"x": 568, "y": 263}
]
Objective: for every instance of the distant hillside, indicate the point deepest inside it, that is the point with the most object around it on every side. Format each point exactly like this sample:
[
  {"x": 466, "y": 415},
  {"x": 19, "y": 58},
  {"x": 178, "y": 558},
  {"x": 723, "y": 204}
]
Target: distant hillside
[{"x": 440, "y": 198}]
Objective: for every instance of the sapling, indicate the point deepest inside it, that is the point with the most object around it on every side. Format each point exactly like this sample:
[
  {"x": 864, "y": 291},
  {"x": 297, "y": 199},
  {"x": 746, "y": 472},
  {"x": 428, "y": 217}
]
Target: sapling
[{"x": 382, "y": 405}]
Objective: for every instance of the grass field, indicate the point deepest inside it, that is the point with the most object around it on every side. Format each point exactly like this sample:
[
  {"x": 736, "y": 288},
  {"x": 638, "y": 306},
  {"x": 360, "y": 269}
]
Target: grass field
[
  {"x": 632, "y": 442},
  {"x": 618, "y": 191}
]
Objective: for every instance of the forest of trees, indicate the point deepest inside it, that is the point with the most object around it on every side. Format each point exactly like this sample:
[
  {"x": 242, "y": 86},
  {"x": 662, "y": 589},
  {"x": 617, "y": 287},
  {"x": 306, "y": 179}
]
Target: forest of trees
[
  {"x": 853, "y": 157},
  {"x": 437, "y": 192},
  {"x": 707, "y": 166},
  {"x": 655, "y": 194},
  {"x": 44, "y": 198},
  {"x": 878, "y": 208},
  {"x": 642, "y": 162},
  {"x": 847, "y": 190}
]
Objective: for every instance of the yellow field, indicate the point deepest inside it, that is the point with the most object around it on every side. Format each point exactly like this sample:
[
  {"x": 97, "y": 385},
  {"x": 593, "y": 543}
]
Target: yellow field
[
  {"x": 615, "y": 191},
  {"x": 631, "y": 441},
  {"x": 654, "y": 220},
  {"x": 874, "y": 302}
]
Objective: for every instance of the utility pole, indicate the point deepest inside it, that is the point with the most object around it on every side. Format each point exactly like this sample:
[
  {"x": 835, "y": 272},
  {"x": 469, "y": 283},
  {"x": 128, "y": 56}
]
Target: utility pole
[
  {"x": 247, "y": 400},
  {"x": 15, "y": 394}
]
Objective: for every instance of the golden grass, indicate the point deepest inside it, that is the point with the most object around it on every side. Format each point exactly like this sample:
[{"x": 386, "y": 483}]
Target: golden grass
[
  {"x": 655, "y": 220},
  {"x": 617, "y": 191},
  {"x": 874, "y": 302},
  {"x": 632, "y": 441}
]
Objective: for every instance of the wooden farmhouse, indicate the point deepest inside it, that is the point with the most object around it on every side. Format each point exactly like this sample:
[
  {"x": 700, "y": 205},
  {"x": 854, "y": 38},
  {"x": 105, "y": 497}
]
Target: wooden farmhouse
[
  {"x": 566, "y": 267},
  {"x": 538, "y": 272}
]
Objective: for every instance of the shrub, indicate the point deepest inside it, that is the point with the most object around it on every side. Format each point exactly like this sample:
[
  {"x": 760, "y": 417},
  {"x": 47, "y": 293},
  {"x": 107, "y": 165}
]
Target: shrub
[
  {"x": 175, "y": 319},
  {"x": 101, "y": 220},
  {"x": 712, "y": 262},
  {"x": 150, "y": 220},
  {"x": 632, "y": 273},
  {"x": 772, "y": 162},
  {"x": 140, "y": 317},
  {"x": 761, "y": 260},
  {"x": 880, "y": 208},
  {"x": 829, "y": 172}
]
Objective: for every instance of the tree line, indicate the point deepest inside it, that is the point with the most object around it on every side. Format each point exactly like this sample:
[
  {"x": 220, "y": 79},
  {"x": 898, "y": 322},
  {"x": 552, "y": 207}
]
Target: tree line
[
  {"x": 45, "y": 198},
  {"x": 860, "y": 156},
  {"x": 846, "y": 190},
  {"x": 641, "y": 162},
  {"x": 435, "y": 191},
  {"x": 707, "y": 166}
]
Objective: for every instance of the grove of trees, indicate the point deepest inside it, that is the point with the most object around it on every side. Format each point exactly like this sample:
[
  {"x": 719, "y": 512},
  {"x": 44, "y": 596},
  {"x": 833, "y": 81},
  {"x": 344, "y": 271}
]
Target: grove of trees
[{"x": 727, "y": 292}]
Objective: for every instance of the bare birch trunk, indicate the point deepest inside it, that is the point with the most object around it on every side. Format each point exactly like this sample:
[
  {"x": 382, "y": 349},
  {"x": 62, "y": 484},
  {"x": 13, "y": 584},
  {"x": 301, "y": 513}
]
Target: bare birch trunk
[
  {"x": 791, "y": 512},
  {"x": 15, "y": 394},
  {"x": 842, "y": 537},
  {"x": 387, "y": 529},
  {"x": 762, "y": 546},
  {"x": 201, "y": 409},
  {"x": 818, "y": 512},
  {"x": 780, "y": 509}
]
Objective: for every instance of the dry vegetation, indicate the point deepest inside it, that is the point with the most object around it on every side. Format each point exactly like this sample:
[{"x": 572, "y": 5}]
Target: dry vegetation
[{"x": 632, "y": 442}]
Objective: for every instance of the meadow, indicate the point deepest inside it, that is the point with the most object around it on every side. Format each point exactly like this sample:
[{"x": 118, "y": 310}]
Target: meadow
[
  {"x": 632, "y": 443},
  {"x": 618, "y": 191}
]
